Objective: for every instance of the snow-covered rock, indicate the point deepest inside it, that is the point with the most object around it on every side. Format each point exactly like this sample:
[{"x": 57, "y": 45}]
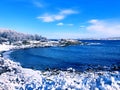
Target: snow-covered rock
[{"x": 18, "y": 78}]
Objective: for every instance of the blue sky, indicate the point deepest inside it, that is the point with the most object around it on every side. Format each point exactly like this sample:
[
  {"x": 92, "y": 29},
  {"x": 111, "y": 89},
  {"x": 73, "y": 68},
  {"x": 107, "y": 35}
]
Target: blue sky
[{"x": 62, "y": 18}]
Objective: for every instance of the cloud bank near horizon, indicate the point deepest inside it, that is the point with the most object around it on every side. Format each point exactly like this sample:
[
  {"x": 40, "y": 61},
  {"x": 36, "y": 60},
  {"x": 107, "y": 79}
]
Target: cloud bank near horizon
[
  {"x": 95, "y": 28},
  {"x": 104, "y": 27}
]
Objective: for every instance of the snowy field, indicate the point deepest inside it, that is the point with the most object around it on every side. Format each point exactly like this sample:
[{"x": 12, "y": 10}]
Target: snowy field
[{"x": 14, "y": 77}]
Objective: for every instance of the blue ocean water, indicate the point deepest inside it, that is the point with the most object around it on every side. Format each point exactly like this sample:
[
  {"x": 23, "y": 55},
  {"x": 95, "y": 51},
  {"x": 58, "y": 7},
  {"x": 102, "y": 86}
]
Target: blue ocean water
[{"x": 98, "y": 53}]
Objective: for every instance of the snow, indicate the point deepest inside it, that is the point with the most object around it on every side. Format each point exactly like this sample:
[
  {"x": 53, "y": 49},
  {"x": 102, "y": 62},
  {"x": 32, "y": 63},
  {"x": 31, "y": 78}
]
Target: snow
[
  {"x": 4, "y": 47},
  {"x": 14, "y": 77}
]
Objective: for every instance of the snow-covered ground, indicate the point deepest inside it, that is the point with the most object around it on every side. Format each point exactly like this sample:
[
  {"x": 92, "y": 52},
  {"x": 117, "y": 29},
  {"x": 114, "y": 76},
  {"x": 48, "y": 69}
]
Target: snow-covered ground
[
  {"x": 14, "y": 77},
  {"x": 4, "y": 47}
]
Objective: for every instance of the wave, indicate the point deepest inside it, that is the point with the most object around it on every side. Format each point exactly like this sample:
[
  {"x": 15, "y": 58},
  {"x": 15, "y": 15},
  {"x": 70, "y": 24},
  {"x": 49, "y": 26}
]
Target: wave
[{"x": 94, "y": 44}]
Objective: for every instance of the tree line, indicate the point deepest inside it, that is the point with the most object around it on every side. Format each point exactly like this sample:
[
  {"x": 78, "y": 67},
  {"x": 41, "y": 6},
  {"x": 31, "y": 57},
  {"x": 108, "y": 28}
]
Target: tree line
[{"x": 13, "y": 36}]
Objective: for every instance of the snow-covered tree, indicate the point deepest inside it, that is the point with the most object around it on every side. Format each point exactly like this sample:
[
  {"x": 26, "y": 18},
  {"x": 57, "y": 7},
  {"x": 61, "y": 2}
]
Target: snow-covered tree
[{"x": 12, "y": 36}]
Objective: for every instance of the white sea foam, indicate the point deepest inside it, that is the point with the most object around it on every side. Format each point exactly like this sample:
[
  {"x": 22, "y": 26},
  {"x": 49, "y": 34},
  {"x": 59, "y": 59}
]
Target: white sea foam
[
  {"x": 94, "y": 44},
  {"x": 14, "y": 77}
]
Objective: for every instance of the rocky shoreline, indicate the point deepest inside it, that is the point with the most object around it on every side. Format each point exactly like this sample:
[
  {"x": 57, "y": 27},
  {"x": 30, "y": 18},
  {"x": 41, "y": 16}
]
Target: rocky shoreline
[
  {"x": 63, "y": 42},
  {"x": 7, "y": 48},
  {"x": 14, "y": 77}
]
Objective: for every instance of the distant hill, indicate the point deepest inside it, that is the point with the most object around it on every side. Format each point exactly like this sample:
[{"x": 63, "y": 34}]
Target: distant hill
[
  {"x": 113, "y": 38},
  {"x": 12, "y": 36},
  {"x": 109, "y": 38}
]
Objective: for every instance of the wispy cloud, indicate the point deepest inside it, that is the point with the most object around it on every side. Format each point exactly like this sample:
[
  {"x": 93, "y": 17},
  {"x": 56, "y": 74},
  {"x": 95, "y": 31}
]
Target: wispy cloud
[
  {"x": 68, "y": 12},
  {"x": 60, "y": 24},
  {"x": 104, "y": 27},
  {"x": 57, "y": 17},
  {"x": 46, "y": 18}
]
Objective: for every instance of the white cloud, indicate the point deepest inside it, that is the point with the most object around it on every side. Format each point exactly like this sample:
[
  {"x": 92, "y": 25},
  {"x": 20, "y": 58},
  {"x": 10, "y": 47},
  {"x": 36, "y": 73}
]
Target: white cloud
[
  {"x": 104, "y": 27},
  {"x": 46, "y": 18},
  {"x": 51, "y": 18},
  {"x": 57, "y": 17},
  {"x": 60, "y": 24},
  {"x": 68, "y": 12},
  {"x": 93, "y": 21},
  {"x": 94, "y": 29}
]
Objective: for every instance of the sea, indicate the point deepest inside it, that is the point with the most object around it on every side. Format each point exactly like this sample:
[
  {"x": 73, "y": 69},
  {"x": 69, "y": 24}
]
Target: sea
[{"x": 97, "y": 55}]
